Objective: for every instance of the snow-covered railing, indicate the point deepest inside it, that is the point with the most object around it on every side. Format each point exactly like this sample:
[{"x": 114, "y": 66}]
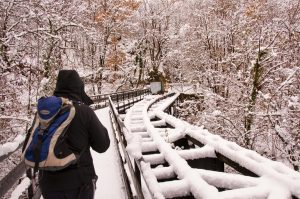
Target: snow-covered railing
[
  {"x": 180, "y": 160},
  {"x": 10, "y": 147},
  {"x": 13, "y": 175},
  {"x": 9, "y": 180},
  {"x": 130, "y": 172},
  {"x": 184, "y": 87}
]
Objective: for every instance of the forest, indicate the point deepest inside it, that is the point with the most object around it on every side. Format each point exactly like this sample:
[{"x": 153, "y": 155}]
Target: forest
[{"x": 245, "y": 56}]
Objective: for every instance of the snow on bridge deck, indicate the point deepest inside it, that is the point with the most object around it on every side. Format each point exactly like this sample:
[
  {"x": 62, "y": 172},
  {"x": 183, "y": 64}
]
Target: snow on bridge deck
[
  {"x": 109, "y": 184},
  {"x": 275, "y": 179}
]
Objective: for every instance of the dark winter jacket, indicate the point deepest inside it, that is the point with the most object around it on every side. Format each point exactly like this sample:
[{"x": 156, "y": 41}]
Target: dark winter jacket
[{"x": 85, "y": 131}]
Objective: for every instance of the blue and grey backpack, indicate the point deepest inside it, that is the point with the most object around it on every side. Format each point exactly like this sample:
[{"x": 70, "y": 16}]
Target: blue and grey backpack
[{"x": 45, "y": 147}]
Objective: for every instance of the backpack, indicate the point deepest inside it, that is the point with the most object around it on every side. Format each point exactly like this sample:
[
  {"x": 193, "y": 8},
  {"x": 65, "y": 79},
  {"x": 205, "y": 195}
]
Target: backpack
[{"x": 45, "y": 146}]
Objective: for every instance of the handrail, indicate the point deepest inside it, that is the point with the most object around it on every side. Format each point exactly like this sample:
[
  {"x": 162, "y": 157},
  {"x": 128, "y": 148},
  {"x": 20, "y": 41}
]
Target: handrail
[
  {"x": 104, "y": 97},
  {"x": 9, "y": 180},
  {"x": 12, "y": 177},
  {"x": 120, "y": 159},
  {"x": 134, "y": 173},
  {"x": 5, "y": 156},
  {"x": 102, "y": 101}
]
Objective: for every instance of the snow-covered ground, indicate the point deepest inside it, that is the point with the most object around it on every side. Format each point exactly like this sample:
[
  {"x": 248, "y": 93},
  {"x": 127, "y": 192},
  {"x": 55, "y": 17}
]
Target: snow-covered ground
[{"x": 109, "y": 184}]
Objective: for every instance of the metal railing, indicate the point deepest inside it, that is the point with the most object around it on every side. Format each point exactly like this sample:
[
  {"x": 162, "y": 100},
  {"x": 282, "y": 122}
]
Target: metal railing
[
  {"x": 134, "y": 171},
  {"x": 10, "y": 179},
  {"x": 124, "y": 99}
]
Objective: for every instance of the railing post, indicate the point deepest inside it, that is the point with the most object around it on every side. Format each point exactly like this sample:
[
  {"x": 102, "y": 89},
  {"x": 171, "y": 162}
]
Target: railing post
[
  {"x": 130, "y": 100},
  {"x": 30, "y": 191},
  {"x": 105, "y": 102},
  {"x": 140, "y": 94},
  {"x": 137, "y": 174},
  {"x": 118, "y": 102}
]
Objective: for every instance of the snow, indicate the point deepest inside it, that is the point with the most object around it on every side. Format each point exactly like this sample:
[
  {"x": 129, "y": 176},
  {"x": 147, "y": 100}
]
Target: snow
[
  {"x": 109, "y": 184},
  {"x": 185, "y": 88},
  {"x": 179, "y": 188},
  {"x": 202, "y": 183},
  {"x": 134, "y": 145},
  {"x": 11, "y": 146},
  {"x": 134, "y": 123},
  {"x": 288, "y": 80},
  {"x": 20, "y": 188},
  {"x": 192, "y": 182},
  {"x": 253, "y": 162},
  {"x": 151, "y": 180},
  {"x": 283, "y": 133},
  {"x": 227, "y": 180},
  {"x": 294, "y": 102},
  {"x": 184, "y": 30},
  {"x": 216, "y": 113}
]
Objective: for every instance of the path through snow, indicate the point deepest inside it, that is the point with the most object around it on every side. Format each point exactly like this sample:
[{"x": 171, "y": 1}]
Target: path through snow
[{"x": 109, "y": 183}]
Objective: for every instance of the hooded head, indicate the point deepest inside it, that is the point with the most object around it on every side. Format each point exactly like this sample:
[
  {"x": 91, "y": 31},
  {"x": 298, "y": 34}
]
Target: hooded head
[{"x": 70, "y": 85}]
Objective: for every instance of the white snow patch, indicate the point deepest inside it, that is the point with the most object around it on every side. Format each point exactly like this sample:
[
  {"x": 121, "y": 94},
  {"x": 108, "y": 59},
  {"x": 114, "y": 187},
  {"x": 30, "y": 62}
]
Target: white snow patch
[
  {"x": 11, "y": 146},
  {"x": 20, "y": 188},
  {"x": 109, "y": 184}
]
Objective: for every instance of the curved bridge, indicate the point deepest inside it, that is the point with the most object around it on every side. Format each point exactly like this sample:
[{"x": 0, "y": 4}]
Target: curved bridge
[
  {"x": 163, "y": 157},
  {"x": 178, "y": 160}
]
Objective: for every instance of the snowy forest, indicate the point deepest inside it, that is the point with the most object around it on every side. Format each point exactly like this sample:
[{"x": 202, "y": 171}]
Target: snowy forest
[{"x": 245, "y": 56}]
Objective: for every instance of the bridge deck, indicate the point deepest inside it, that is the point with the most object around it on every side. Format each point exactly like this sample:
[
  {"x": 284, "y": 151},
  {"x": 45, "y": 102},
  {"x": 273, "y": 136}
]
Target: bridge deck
[{"x": 106, "y": 165}]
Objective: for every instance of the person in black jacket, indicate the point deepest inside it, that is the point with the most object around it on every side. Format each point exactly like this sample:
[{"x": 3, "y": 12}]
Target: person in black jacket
[{"x": 76, "y": 181}]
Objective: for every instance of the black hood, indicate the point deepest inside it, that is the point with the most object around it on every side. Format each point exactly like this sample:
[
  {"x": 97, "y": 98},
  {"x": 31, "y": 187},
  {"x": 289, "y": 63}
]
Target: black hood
[{"x": 70, "y": 85}]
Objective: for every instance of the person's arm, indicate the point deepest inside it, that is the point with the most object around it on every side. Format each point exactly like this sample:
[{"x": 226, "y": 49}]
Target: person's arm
[{"x": 99, "y": 138}]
